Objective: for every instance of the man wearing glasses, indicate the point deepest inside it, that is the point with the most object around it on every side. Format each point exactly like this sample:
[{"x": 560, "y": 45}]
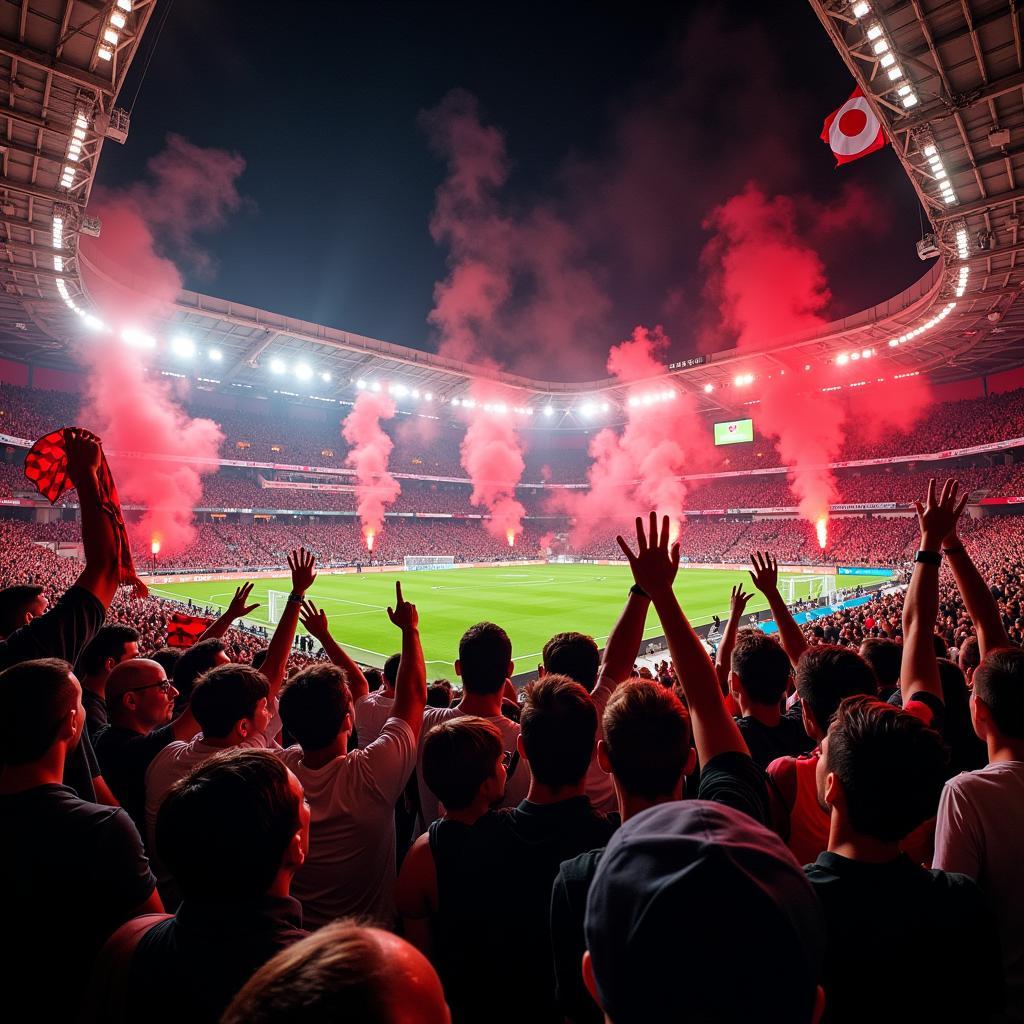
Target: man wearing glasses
[{"x": 140, "y": 702}]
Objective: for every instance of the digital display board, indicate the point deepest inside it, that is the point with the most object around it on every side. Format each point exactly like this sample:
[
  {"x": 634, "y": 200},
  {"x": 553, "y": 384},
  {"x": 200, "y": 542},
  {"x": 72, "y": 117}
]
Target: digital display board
[{"x": 734, "y": 431}]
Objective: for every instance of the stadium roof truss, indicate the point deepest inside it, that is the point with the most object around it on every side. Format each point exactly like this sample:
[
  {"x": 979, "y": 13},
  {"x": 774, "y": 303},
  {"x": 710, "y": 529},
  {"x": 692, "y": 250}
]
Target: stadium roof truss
[{"x": 953, "y": 112}]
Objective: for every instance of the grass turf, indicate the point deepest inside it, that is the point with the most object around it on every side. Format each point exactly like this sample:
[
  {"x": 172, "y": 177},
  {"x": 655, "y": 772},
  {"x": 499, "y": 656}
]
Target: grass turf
[{"x": 532, "y": 602}]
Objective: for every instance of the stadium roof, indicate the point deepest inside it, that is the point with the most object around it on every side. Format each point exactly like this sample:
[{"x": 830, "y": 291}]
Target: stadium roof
[{"x": 951, "y": 113}]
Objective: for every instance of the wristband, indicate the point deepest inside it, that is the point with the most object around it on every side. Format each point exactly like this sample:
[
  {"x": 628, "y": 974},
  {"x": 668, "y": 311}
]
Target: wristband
[
  {"x": 929, "y": 558},
  {"x": 294, "y": 598},
  {"x": 639, "y": 591}
]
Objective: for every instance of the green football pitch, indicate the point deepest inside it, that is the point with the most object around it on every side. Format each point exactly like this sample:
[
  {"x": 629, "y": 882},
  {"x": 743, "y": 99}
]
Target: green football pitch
[{"x": 532, "y": 602}]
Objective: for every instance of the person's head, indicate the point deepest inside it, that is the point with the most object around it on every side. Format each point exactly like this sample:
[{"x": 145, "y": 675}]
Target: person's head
[
  {"x": 969, "y": 657},
  {"x": 881, "y": 769},
  {"x": 42, "y": 709},
  {"x": 997, "y": 701},
  {"x": 234, "y": 827},
  {"x": 558, "y": 727},
  {"x": 316, "y": 706},
  {"x": 825, "y": 676},
  {"x": 390, "y": 671},
  {"x": 19, "y": 605},
  {"x": 885, "y": 658},
  {"x": 439, "y": 694},
  {"x": 463, "y": 763},
  {"x": 110, "y": 646},
  {"x": 168, "y": 657},
  {"x": 230, "y": 703},
  {"x": 139, "y": 695},
  {"x": 574, "y": 655},
  {"x": 195, "y": 662},
  {"x": 714, "y": 867},
  {"x": 374, "y": 678},
  {"x": 759, "y": 670},
  {"x": 342, "y": 972},
  {"x": 646, "y": 744},
  {"x": 485, "y": 659}
]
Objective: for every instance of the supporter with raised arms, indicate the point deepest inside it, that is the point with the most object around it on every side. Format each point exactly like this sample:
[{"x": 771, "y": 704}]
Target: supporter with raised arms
[
  {"x": 315, "y": 621},
  {"x": 237, "y": 608},
  {"x": 765, "y": 576},
  {"x": 350, "y": 869},
  {"x": 738, "y": 601}
]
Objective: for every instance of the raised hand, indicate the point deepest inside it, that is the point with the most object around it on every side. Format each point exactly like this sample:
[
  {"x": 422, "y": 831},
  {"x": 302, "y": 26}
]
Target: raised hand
[
  {"x": 938, "y": 516},
  {"x": 739, "y": 600},
  {"x": 655, "y": 564},
  {"x": 404, "y": 614},
  {"x": 315, "y": 620},
  {"x": 239, "y": 603},
  {"x": 301, "y": 564},
  {"x": 84, "y": 451},
  {"x": 765, "y": 574}
]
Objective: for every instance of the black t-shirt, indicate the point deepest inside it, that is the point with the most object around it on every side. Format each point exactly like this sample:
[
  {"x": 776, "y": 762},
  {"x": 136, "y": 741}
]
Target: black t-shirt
[
  {"x": 189, "y": 967},
  {"x": 95, "y": 710},
  {"x": 731, "y": 778},
  {"x": 766, "y": 743},
  {"x": 494, "y": 906},
  {"x": 73, "y": 872},
  {"x": 82, "y": 767},
  {"x": 124, "y": 756},
  {"x": 936, "y": 922},
  {"x": 62, "y": 632}
]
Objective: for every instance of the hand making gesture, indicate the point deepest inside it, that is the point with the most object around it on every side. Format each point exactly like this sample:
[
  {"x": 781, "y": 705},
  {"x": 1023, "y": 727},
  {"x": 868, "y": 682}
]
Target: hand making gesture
[
  {"x": 404, "y": 614},
  {"x": 938, "y": 515},
  {"x": 301, "y": 564},
  {"x": 239, "y": 605},
  {"x": 655, "y": 564}
]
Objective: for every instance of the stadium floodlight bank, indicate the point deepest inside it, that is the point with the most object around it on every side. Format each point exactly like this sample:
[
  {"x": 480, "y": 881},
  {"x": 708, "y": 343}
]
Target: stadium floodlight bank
[
  {"x": 418, "y": 562},
  {"x": 807, "y": 588}
]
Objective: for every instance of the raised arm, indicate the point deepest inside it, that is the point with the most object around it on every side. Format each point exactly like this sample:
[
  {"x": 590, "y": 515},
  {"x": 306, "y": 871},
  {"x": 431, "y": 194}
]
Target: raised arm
[
  {"x": 99, "y": 540},
  {"x": 981, "y": 605},
  {"x": 765, "y": 575},
  {"x": 723, "y": 656},
  {"x": 411, "y": 684},
  {"x": 624, "y": 640},
  {"x": 919, "y": 670},
  {"x": 654, "y": 568},
  {"x": 315, "y": 621},
  {"x": 235, "y": 610},
  {"x": 301, "y": 564}
]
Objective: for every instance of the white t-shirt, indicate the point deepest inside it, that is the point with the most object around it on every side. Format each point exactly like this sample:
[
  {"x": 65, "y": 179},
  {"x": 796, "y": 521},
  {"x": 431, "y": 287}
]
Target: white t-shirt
[
  {"x": 350, "y": 868},
  {"x": 518, "y": 783},
  {"x": 174, "y": 762},
  {"x": 980, "y": 832},
  {"x": 372, "y": 711}
]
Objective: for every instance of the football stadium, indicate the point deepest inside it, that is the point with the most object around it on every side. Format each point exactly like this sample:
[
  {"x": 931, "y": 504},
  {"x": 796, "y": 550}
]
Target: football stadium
[{"x": 472, "y": 500}]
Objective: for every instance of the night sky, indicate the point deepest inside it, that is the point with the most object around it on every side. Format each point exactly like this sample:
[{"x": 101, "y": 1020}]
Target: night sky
[{"x": 323, "y": 101}]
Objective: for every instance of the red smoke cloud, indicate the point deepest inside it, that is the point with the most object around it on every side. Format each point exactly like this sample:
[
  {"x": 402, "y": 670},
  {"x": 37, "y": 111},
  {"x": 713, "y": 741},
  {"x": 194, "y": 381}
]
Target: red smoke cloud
[
  {"x": 640, "y": 468},
  {"x": 376, "y": 488},
  {"x": 133, "y": 284},
  {"x": 492, "y": 455}
]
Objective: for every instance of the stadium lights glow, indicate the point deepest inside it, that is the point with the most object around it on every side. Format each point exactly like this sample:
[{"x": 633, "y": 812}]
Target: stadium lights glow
[
  {"x": 469, "y": 403},
  {"x": 842, "y": 359},
  {"x": 183, "y": 346},
  {"x": 906, "y": 90},
  {"x": 216, "y": 355},
  {"x": 398, "y": 390},
  {"x": 125, "y": 5},
  {"x": 361, "y": 384},
  {"x": 375, "y": 386},
  {"x": 325, "y": 377},
  {"x": 456, "y": 402},
  {"x": 110, "y": 36},
  {"x": 929, "y": 151},
  {"x": 94, "y": 323},
  {"x": 910, "y": 100},
  {"x": 888, "y": 59},
  {"x": 861, "y": 8},
  {"x": 117, "y": 19},
  {"x": 428, "y": 397},
  {"x": 137, "y": 339},
  {"x": 277, "y": 366},
  {"x": 105, "y": 53},
  {"x": 708, "y": 388},
  {"x": 303, "y": 371},
  {"x": 880, "y": 47},
  {"x": 895, "y": 73},
  {"x": 415, "y": 393},
  {"x": 874, "y": 31},
  {"x": 744, "y": 380},
  {"x": 548, "y": 411}
]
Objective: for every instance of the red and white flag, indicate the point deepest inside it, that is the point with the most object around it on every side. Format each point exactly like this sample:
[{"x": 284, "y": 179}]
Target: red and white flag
[{"x": 853, "y": 130}]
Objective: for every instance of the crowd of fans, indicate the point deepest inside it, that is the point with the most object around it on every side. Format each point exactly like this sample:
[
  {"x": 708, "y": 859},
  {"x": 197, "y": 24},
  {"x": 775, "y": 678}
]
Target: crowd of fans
[{"x": 797, "y": 831}]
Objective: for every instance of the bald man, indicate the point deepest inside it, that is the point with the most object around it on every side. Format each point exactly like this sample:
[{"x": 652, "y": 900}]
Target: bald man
[
  {"x": 140, "y": 703},
  {"x": 343, "y": 972}
]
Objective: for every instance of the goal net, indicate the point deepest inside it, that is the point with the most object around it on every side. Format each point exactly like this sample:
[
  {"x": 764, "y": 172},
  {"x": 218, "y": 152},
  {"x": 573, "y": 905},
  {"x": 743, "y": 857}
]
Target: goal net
[
  {"x": 415, "y": 562},
  {"x": 276, "y": 600},
  {"x": 806, "y": 588}
]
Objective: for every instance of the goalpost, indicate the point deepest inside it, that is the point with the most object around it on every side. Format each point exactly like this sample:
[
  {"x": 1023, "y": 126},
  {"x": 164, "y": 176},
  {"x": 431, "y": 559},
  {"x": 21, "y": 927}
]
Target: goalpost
[
  {"x": 414, "y": 563},
  {"x": 806, "y": 588},
  {"x": 276, "y": 600}
]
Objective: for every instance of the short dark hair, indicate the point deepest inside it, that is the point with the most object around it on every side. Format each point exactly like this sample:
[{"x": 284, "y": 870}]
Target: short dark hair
[
  {"x": 223, "y": 830},
  {"x": 109, "y": 642},
  {"x": 337, "y": 973},
  {"x": 390, "y": 670},
  {"x": 762, "y": 666},
  {"x": 885, "y": 657},
  {"x": 13, "y": 602},
  {"x": 225, "y": 695},
  {"x": 574, "y": 655},
  {"x": 484, "y": 654},
  {"x": 647, "y": 738},
  {"x": 314, "y": 704},
  {"x": 196, "y": 660},
  {"x": 891, "y": 765},
  {"x": 970, "y": 654},
  {"x": 999, "y": 683},
  {"x": 459, "y": 756},
  {"x": 439, "y": 694},
  {"x": 34, "y": 698},
  {"x": 559, "y": 728},
  {"x": 826, "y": 673},
  {"x": 167, "y": 658}
]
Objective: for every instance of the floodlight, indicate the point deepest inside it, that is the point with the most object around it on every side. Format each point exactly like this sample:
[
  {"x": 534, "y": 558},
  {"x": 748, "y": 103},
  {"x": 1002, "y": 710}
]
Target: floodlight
[
  {"x": 183, "y": 346},
  {"x": 216, "y": 355},
  {"x": 277, "y": 366}
]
